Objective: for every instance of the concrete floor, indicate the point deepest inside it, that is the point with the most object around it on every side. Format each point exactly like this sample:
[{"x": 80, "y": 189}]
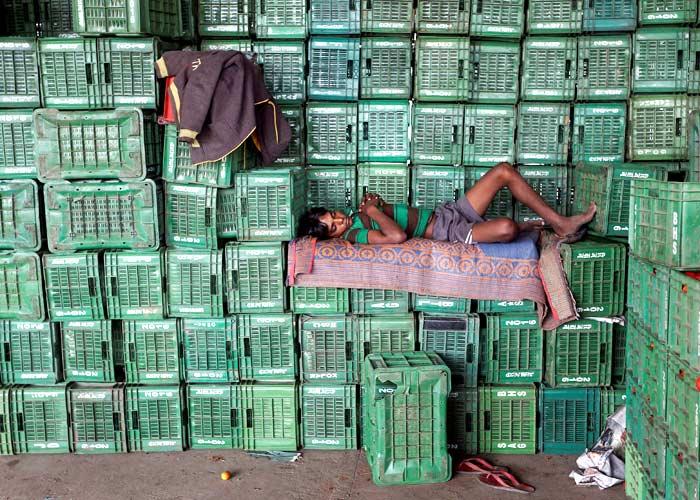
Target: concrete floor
[{"x": 319, "y": 475}]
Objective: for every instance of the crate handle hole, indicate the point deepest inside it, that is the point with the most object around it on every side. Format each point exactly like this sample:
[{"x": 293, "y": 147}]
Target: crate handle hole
[
  {"x": 353, "y": 5},
  {"x": 472, "y": 134},
  {"x": 229, "y": 354},
  {"x": 348, "y": 134},
  {"x": 246, "y": 347},
  {"x": 469, "y": 423},
  {"x": 234, "y": 417},
  {"x": 116, "y": 423},
  {"x": 348, "y": 351},
  {"x": 105, "y": 350},
  {"x": 567, "y": 69},
  {"x": 262, "y": 6},
  {"x": 108, "y": 72},
  {"x": 20, "y": 422},
  {"x": 487, "y": 420},
  {"x": 88, "y": 73},
  {"x": 249, "y": 417},
  {"x": 348, "y": 417},
  {"x": 351, "y": 69},
  {"x": 479, "y": 6},
  {"x": 7, "y": 352},
  {"x": 135, "y": 419},
  {"x": 365, "y": 131},
  {"x": 368, "y": 66},
  {"x": 679, "y": 60}
]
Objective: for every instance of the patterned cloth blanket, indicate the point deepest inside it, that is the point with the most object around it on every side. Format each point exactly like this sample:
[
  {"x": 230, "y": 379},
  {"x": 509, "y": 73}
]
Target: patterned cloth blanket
[{"x": 512, "y": 271}]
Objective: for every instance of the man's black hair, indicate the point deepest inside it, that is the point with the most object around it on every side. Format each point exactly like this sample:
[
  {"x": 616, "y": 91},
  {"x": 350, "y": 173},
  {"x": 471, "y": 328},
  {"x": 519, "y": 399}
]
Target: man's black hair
[{"x": 310, "y": 224}]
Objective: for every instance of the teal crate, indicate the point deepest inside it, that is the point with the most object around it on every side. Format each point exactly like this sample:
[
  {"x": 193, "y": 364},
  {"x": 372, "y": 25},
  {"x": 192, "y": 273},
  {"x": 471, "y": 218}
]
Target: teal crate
[
  {"x": 662, "y": 221},
  {"x": 683, "y": 312},
  {"x": 319, "y": 301},
  {"x": 682, "y": 475},
  {"x": 543, "y": 133},
  {"x": 330, "y": 349},
  {"x": 331, "y": 187},
  {"x": 440, "y": 305},
  {"x": 386, "y": 333},
  {"x": 514, "y": 345},
  {"x": 635, "y": 478},
  {"x": 386, "y": 67},
  {"x": 402, "y": 445},
  {"x": 280, "y": 19},
  {"x": 135, "y": 284},
  {"x": 437, "y": 134},
  {"x": 456, "y": 340},
  {"x": 209, "y": 350},
  {"x": 19, "y": 85},
  {"x": 661, "y": 60},
  {"x": 97, "y": 215},
  {"x": 549, "y": 68},
  {"x": 652, "y": 450},
  {"x": 267, "y": 347},
  {"x": 653, "y": 380},
  {"x": 463, "y": 421},
  {"x": 215, "y": 419},
  {"x": 328, "y": 416},
  {"x": 610, "y": 15},
  {"x": 604, "y": 67},
  {"x": 389, "y": 180},
  {"x": 195, "y": 281},
  {"x": 376, "y": 301},
  {"x": 611, "y": 399},
  {"x": 189, "y": 26},
  {"x": 443, "y": 17},
  {"x": 599, "y": 133},
  {"x": 633, "y": 352},
  {"x": 431, "y": 186},
  {"x": 694, "y": 63},
  {"x": 20, "y": 18},
  {"x": 619, "y": 366},
  {"x": 17, "y": 150},
  {"x": 283, "y": 65},
  {"x": 152, "y": 351},
  {"x": 502, "y": 203},
  {"x": 97, "y": 418},
  {"x": 383, "y": 131},
  {"x": 546, "y": 17},
  {"x": 636, "y": 411},
  {"x": 498, "y": 18},
  {"x": 19, "y": 212},
  {"x": 579, "y": 354},
  {"x": 504, "y": 306},
  {"x": 494, "y": 69},
  {"x": 331, "y": 137},
  {"x": 226, "y": 223},
  {"x": 31, "y": 353},
  {"x": 386, "y": 16},
  {"x": 5, "y": 422},
  {"x": 569, "y": 420},
  {"x": 295, "y": 154},
  {"x": 334, "y": 17},
  {"x": 255, "y": 277},
  {"x": 663, "y": 12},
  {"x": 190, "y": 216},
  {"x": 334, "y": 69},
  {"x": 74, "y": 286},
  {"x": 271, "y": 417},
  {"x": 552, "y": 184},
  {"x": 682, "y": 406},
  {"x": 239, "y": 44},
  {"x": 39, "y": 419},
  {"x": 508, "y": 419},
  {"x": 441, "y": 71},
  {"x": 225, "y": 19},
  {"x": 92, "y": 351},
  {"x": 155, "y": 17},
  {"x": 489, "y": 134},
  {"x": 155, "y": 418},
  {"x": 269, "y": 203}
]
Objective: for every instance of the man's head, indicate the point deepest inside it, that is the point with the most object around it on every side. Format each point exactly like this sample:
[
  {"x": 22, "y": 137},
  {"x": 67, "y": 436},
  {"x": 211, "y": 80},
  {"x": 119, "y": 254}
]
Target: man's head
[{"x": 324, "y": 224}]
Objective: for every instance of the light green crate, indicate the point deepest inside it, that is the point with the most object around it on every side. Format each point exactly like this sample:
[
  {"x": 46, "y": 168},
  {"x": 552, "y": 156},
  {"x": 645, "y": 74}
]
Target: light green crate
[{"x": 255, "y": 277}]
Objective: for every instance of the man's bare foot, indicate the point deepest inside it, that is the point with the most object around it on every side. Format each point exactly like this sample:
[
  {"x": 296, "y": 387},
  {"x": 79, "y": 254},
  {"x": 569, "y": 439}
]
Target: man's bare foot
[
  {"x": 531, "y": 225},
  {"x": 571, "y": 225}
]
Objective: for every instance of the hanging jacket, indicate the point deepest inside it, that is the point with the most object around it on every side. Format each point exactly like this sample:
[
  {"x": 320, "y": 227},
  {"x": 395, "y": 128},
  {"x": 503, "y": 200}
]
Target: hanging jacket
[{"x": 220, "y": 101}]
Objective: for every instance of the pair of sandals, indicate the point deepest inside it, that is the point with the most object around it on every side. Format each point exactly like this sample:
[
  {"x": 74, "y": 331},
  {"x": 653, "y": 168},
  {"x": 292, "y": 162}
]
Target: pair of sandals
[{"x": 494, "y": 476}]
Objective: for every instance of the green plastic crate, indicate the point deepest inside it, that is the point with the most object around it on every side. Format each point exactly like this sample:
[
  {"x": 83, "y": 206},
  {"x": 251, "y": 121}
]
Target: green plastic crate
[
  {"x": 269, "y": 203},
  {"x": 195, "y": 281},
  {"x": 456, "y": 340},
  {"x": 543, "y": 133},
  {"x": 17, "y": 150},
  {"x": 190, "y": 213},
  {"x": 155, "y": 17},
  {"x": 280, "y": 19},
  {"x": 682, "y": 475},
  {"x": 334, "y": 68},
  {"x": 155, "y": 418},
  {"x": 74, "y": 286},
  {"x": 599, "y": 133},
  {"x": 404, "y": 421},
  {"x": 97, "y": 418},
  {"x": 637, "y": 413},
  {"x": 209, "y": 350},
  {"x": 319, "y": 301},
  {"x": 514, "y": 347},
  {"x": 267, "y": 347},
  {"x": 135, "y": 284},
  {"x": 390, "y": 180},
  {"x": 386, "y": 67},
  {"x": 255, "y": 277},
  {"x": 334, "y": 17},
  {"x": 271, "y": 417},
  {"x": 331, "y": 187},
  {"x": 635, "y": 479},
  {"x": 152, "y": 351},
  {"x": 653, "y": 380},
  {"x": 226, "y": 221},
  {"x": 504, "y": 306},
  {"x": 431, "y": 186},
  {"x": 39, "y": 419},
  {"x": 31, "y": 353},
  {"x": 489, "y": 134},
  {"x": 20, "y": 228},
  {"x": 549, "y": 68},
  {"x": 19, "y": 19},
  {"x": 665, "y": 12},
  {"x": 283, "y": 65},
  {"x": 437, "y": 134},
  {"x": 330, "y": 349},
  {"x": 463, "y": 421},
  {"x": 604, "y": 67},
  {"x": 215, "y": 419},
  {"x": 96, "y": 215},
  {"x": 502, "y": 203},
  {"x": 552, "y": 184},
  {"x": 652, "y": 451},
  {"x": 328, "y": 416},
  {"x": 662, "y": 221},
  {"x": 554, "y": 16},
  {"x": 619, "y": 366},
  {"x": 661, "y": 60},
  {"x": 376, "y": 301},
  {"x": 683, "y": 314},
  {"x": 610, "y": 400},
  {"x": 441, "y": 71},
  {"x": 383, "y": 131},
  {"x": 239, "y": 44},
  {"x": 440, "y": 305},
  {"x": 92, "y": 351},
  {"x": 295, "y": 154},
  {"x": 508, "y": 419},
  {"x": 331, "y": 137},
  {"x": 19, "y": 84},
  {"x": 224, "y": 18},
  {"x": 694, "y": 62},
  {"x": 443, "y": 17},
  {"x": 610, "y": 15},
  {"x": 386, "y": 16},
  {"x": 387, "y": 333},
  {"x": 497, "y": 18},
  {"x": 494, "y": 69},
  {"x": 569, "y": 420},
  {"x": 189, "y": 26},
  {"x": 682, "y": 406},
  {"x": 579, "y": 354},
  {"x": 633, "y": 354},
  {"x": 5, "y": 422}
]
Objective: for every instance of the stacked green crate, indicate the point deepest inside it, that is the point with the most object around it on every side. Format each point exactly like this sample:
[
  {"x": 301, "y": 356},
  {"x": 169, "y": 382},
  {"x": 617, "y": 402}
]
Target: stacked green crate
[
  {"x": 554, "y": 16},
  {"x": 255, "y": 277},
  {"x": 604, "y": 67},
  {"x": 224, "y": 19},
  {"x": 569, "y": 420},
  {"x": 440, "y": 305},
  {"x": 190, "y": 216},
  {"x": 508, "y": 419},
  {"x": 514, "y": 349},
  {"x": 386, "y": 16},
  {"x": 677, "y": 12},
  {"x": 456, "y": 340},
  {"x": 331, "y": 137},
  {"x": 74, "y": 286},
  {"x": 17, "y": 150},
  {"x": 383, "y": 131},
  {"x": 330, "y": 349},
  {"x": 433, "y": 185},
  {"x": 97, "y": 418},
  {"x": 210, "y": 350},
  {"x": 552, "y": 184},
  {"x": 386, "y": 67},
  {"x": 267, "y": 347},
  {"x": 489, "y": 134},
  {"x": 329, "y": 17},
  {"x": 376, "y": 301},
  {"x": 437, "y": 134},
  {"x": 195, "y": 284},
  {"x": 661, "y": 60},
  {"x": 599, "y": 133},
  {"x": 549, "y": 69},
  {"x": 497, "y": 18},
  {"x": 271, "y": 416},
  {"x": 215, "y": 417},
  {"x": 92, "y": 351},
  {"x": 463, "y": 420},
  {"x": 494, "y": 71},
  {"x": 39, "y": 419},
  {"x": 152, "y": 351},
  {"x": 543, "y": 133},
  {"x": 390, "y": 180},
  {"x": 155, "y": 418},
  {"x": 442, "y": 68},
  {"x": 156, "y": 17},
  {"x": 443, "y": 16},
  {"x": 135, "y": 284},
  {"x": 334, "y": 68},
  {"x": 19, "y": 86},
  {"x": 280, "y": 19},
  {"x": 295, "y": 154},
  {"x": 283, "y": 64},
  {"x": 328, "y": 416},
  {"x": 331, "y": 187},
  {"x": 320, "y": 301},
  {"x": 30, "y": 353},
  {"x": 611, "y": 15},
  {"x": 21, "y": 286}
]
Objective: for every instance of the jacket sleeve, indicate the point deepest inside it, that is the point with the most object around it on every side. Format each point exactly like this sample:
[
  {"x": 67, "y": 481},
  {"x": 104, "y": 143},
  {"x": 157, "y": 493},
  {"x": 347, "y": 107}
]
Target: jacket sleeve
[{"x": 173, "y": 62}]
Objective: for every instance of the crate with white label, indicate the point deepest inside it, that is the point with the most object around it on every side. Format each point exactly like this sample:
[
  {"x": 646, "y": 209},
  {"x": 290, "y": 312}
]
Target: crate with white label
[
  {"x": 92, "y": 351},
  {"x": 255, "y": 277},
  {"x": 152, "y": 351},
  {"x": 330, "y": 349},
  {"x": 31, "y": 353},
  {"x": 514, "y": 347},
  {"x": 267, "y": 347},
  {"x": 155, "y": 418},
  {"x": 508, "y": 419},
  {"x": 215, "y": 417},
  {"x": 97, "y": 418},
  {"x": 329, "y": 416}
]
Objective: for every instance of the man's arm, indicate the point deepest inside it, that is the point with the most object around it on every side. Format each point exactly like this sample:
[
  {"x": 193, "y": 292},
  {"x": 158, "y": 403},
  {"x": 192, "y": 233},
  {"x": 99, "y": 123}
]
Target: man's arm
[{"x": 389, "y": 231}]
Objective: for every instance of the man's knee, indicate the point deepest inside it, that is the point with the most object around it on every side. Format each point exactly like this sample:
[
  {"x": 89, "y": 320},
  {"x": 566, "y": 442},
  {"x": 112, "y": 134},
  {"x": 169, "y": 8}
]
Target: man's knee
[
  {"x": 507, "y": 230},
  {"x": 505, "y": 171}
]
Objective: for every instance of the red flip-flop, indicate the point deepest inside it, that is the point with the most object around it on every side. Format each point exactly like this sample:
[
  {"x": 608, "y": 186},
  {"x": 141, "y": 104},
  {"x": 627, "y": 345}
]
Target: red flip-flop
[
  {"x": 475, "y": 466},
  {"x": 505, "y": 481}
]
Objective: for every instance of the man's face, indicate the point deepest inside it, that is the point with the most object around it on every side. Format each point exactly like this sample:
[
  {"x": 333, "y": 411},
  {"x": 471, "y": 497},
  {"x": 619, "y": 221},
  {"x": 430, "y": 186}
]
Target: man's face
[{"x": 337, "y": 223}]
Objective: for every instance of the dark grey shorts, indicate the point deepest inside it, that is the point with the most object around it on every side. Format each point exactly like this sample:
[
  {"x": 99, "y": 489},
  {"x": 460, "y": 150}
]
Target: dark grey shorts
[{"x": 454, "y": 221}]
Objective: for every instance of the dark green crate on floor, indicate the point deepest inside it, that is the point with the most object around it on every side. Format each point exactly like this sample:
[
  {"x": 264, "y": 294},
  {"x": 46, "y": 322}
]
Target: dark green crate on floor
[
  {"x": 333, "y": 17},
  {"x": 440, "y": 305},
  {"x": 328, "y": 416},
  {"x": 226, "y": 222},
  {"x": 155, "y": 418},
  {"x": 190, "y": 216},
  {"x": 31, "y": 353},
  {"x": 6, "y": 418},
  {"x": 271, "y": 416},
  {"x": 442, "y": 68},
  {"x": 456, "y": 340},
  {"x": 497, "y": 18},
  {"x": 156, "y": 17},
  {"x": 97, "y": 418},
  {"x": 504, "y": 306},
  {"x": 661, "y": 60},
  {"x": 432, "y": 186},
  {"x": 611, "y": 399},
  {"x": 635, "y": 479},
  {"x": 569, "y": 420},
  {"x": 681, "y": 408},
  {"x": 267, "y": 347},
  {"x": 195, "y": 281},
  {"x": 135, "y": 284},
  {"x": 386, "y": 68},
  {"x": 224, "y": 19},
  {"x": 554, "y": 16},
  {"x": 19, "y": 212},
  {"x": 463, "y": 421},
  {"x": 255, "y": 277},
  {"x": 652, "y": 451},
  {"x": 599, "y": 133},
  {"x": 329, "y": 349},
  {"x": 209, "y": 350},
  {"x": 514, "y": 345},
  {"x": 443, "y": 17},
  {"x": 437, "y": 134},
  {"x": 19, "y": 85},
  {"x": 604, "y": 67},
  {"x": 489, "y": 134},
  {"x": 494, "y": 69},
  {"x": 152, "y": 351},
  {"x": 74, "y": 286},
  {"x": 280, "y": 19},
  {"x": 215, "y": 416},
  {"x": 319, "y": 301},
  {"x": 331, "y": 137},
  {"x": 619, "y": 367},
  {"x": 377, "y": 301},
  {"x": 661, "y": 12},
  {"x": 17, "y": 150},
  {"x": 295, "y": 154},
  {"x": 334, "y": 68},
  {"x": 549, "y": 68},
  {"x": 552, "y": 184},
  {"x": 390, "y": 180},
  {"x": 502, "y": 203},
  {"x": 508, "y": 419},
  {"x": 386, "y": 16},
  {"x": 610, "y": 15},
  {"x": 383, "y": 131},
  {"x": 39, "y": 420},
  {"x": 283, "y": 65},
  {"x": 579, "y": 354},
  {"x": 543, "y": 133},
  {"x": 92, "y": 351},
  {"x": 684, "y": 310},
  {"x": 331, "y": 187},
  {"x": 387, "y": 333}
]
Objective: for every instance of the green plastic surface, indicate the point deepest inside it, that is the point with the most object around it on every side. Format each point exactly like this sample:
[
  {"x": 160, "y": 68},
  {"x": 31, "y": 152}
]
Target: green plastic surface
[
  {"x": 215, "y": 417},
  {"x": 504, "y": 306},
  {"x": 543, "y": 133},
  {"x": 664, "y": 12},
  {"x": 271, "y": 417},
  {"x": 386, "y": 16},
  {"x": 319, "y": 301},
  {"x": 390, "y": 180},
  {"x": 456, "y": 340},
  {"x": 440, "y": 305},
  {"x": 97, "y": 418},
  {"x": 223, "y": 18},
  {"x": 154, "y": 418},
  {"x": 190, "y": 216},
  {"x": 280, "y": 18},
  {"x": 31, "y": 353},
  {"x": 554, "y": 16},
  {"x": 255, "y": 277},
  {"x": 661, "y": 60},
  {"x": 283, "y": 65},
  {"x": 331, "y": 137},
  {"x": 431, "y": 186},
  {"x": 122, "y": 17},
  {"x": 19, "y": 84},
  {"x": 437, "y": 134},
  {"x": 549, "y": 68},
  {"x": 330, "y": 17},
  {"x": 497, "y": 18},
  {"x": 508, "y": 419},
  {"x": 494, "y": 69},
  {"x": 39, "y": 419},
  {"x": 463, "y": 421},
  {"x": 385, "y": 67},
  {"x": 74, "y": 286},
  {"x": 334, "y": 68},
  {"x": 267, "y": 347},
  {"x": 209, "y": 350},
  {"x": 195, "y": 281},
  {"x": 17, "y": 149},
  {"x": 552, "y": 184},
  {"x": 383, "y": 131},
  {"x": 329, "y": 416},
  {"x": 135, "y": 284},
  {"x": 152, "y": 351},
  {"x": 295, "y": 154},
  {"x": 331, "y": 187},
  {"x": 377, "y": 301},
  {"x": 489, "y": 134},
  {"x": 330, "y": 350},
  {"x": 92, "y": 351},
  {"x": 610, "y": 15},
  {"x": 683, "y": 314},
  {"x": 604, "y": 66},
  {"x": 442, "y": 68},
  {"x": 569, "y": 420},
  {"x": 514, "y": 344},
  {"x": 599, "y": 133},
  {"x": 20, "y": 227},
  {"x": 443, "y": 17}
]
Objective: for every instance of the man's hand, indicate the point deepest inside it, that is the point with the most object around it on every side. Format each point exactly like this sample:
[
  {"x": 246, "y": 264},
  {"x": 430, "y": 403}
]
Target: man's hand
[{"x": 371, "y": 200}]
